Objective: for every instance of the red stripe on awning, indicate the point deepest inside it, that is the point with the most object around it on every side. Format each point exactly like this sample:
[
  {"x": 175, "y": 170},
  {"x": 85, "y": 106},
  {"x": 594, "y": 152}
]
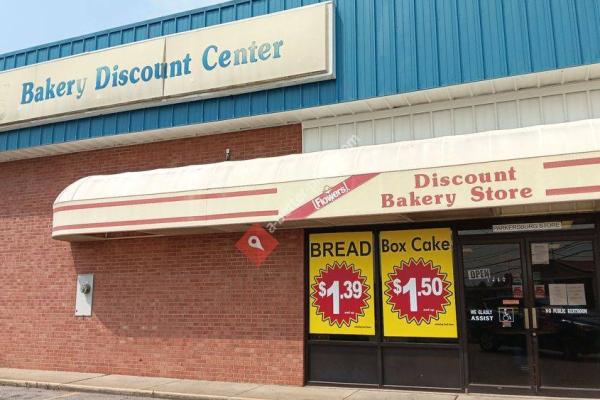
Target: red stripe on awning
[
  {"x": 220, "y": 195},
  {"x": 572, "y": 190},
  {"x": 267, "y": 213},
  {"x": 571, "y": 163},
  {"x": 312, "y": 206}
]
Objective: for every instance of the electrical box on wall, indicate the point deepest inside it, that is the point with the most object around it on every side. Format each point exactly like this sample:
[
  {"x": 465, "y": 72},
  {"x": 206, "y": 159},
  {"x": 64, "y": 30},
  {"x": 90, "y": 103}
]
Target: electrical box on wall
[{"x": 83, "y": 298}]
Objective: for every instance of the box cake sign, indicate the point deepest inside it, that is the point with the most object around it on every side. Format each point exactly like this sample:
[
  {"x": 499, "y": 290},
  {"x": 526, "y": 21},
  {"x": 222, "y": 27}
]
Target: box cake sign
[{"x": 279, "y": 49}]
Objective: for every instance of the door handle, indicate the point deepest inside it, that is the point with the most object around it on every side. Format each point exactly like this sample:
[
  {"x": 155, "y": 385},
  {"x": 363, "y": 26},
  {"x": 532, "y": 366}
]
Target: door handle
[
  {"x": 534, "y": 317},
  {"x": 526, "y": 317}
]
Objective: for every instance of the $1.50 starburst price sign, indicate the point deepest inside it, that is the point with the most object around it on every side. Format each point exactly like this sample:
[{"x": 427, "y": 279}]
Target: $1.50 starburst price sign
[
  {"x": 418, "y": 283},
  {"x": 341, "y": 283}
]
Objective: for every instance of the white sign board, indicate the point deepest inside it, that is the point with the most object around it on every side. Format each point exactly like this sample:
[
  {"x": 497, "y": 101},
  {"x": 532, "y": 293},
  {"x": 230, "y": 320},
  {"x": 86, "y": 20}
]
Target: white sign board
[
  {"x": 279, "y": 49},
  {"x": 540, "y": 253},
  {"x": 531, "y": 226},
  {"x": 576, "y": 294},
  {"x": 558, "y": 294}
]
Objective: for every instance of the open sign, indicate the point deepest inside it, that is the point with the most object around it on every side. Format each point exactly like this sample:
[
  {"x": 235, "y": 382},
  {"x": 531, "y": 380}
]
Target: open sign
[{"x": 478, "y": 274}]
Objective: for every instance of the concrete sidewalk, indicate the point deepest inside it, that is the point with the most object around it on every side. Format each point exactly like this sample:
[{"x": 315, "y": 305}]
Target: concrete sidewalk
[{"x": 170, "y": 388}]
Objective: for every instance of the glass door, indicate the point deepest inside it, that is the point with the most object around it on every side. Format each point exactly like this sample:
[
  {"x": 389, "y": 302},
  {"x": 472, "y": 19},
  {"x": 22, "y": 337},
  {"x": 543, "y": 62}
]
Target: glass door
[
  {"x": 565, "y": 317},
  {"x": 532, "y": 312},
  {"x": 499, "y": 345}
]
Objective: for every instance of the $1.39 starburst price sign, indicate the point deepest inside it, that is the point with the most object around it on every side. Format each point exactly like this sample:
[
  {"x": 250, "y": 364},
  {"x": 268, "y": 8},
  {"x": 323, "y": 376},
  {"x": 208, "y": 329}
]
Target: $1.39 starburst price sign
[
  {"x": 418, "y": 283},
  {"x": 341, "y": 283}
]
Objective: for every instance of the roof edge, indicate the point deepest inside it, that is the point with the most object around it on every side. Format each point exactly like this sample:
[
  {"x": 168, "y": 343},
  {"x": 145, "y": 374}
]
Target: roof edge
[{"x": 123, "y": 27}]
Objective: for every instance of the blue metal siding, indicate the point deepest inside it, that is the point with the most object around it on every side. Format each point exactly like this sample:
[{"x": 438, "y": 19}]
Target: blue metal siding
[
  {"x": 406, "y": 43},
  {"x": 470, "y": 39},
  {"x": 518, "y": 54},
  {"x": 383, "y": 47}
]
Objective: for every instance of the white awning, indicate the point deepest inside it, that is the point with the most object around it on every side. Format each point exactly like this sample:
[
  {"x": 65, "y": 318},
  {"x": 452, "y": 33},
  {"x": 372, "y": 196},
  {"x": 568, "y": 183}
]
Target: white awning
[{"x": 349, "y": 183}]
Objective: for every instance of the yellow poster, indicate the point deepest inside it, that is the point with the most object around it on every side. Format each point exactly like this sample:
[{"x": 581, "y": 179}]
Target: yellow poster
[
  {"x": 417, "y": 277},
  {"x": 341, "y": 281}
]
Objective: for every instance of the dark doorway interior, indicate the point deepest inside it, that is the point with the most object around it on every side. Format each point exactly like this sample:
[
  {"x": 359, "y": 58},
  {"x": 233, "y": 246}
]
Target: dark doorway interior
[{"x": 532, "y": 312}]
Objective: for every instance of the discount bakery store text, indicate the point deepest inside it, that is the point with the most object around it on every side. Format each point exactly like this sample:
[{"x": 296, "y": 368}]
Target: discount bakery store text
[{"x": 483, "y": 188}]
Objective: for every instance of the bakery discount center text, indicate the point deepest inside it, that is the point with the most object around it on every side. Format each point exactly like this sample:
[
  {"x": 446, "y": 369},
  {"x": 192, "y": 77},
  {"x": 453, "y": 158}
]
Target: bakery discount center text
[
  {"x": 481, "y": 188},
  {"x": 212, "y": 57}
]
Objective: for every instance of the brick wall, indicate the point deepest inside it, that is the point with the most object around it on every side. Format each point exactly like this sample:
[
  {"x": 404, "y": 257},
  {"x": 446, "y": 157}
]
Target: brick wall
[{"x": 189, "y": 307}]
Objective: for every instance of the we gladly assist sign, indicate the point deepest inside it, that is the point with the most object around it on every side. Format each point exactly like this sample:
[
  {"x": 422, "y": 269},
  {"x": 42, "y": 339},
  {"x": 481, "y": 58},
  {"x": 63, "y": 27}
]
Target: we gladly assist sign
[{"x": 279, "y": 49}]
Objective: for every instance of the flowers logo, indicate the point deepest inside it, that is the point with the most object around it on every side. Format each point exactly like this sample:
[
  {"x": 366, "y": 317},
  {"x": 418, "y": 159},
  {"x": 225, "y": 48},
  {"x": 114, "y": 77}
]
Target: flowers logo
[{"x": 330, "y": 195}]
